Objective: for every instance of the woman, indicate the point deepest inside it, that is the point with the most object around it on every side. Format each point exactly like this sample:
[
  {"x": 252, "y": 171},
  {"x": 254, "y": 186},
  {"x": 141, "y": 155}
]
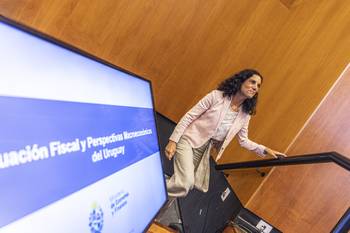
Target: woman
[{"x": 213, "y": 122}]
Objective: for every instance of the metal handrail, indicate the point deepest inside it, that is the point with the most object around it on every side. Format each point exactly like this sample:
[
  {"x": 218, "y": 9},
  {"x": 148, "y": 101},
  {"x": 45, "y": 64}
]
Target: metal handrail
[
  {"x": 344, "y": 223},
  {"x": 326, "y": 157}
]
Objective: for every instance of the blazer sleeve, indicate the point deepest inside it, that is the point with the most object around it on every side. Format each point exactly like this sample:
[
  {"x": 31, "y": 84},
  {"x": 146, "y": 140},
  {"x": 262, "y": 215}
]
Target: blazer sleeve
[
  {"x": 196, "y": 111},
  {"x": 244, "y": 141}
]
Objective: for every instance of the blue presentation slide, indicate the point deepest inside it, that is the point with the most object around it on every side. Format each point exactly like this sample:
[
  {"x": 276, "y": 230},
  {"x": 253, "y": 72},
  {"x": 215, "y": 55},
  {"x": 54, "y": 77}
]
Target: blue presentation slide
[
  {"x": 59, "y": 147},
  {"x": 78, "y": 142},
  {"x": 56, "y": 156}
]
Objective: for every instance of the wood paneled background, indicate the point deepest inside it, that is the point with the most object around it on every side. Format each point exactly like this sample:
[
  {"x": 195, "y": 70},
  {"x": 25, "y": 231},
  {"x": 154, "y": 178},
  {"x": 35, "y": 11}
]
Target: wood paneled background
[
  {"x": 187, "y": 47},
  {"x": 312, "y": 198}
]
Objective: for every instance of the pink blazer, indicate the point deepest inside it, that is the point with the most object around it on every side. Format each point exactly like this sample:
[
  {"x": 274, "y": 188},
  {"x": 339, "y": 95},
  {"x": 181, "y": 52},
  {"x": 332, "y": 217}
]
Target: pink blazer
[{"x": 199, "y": 124}]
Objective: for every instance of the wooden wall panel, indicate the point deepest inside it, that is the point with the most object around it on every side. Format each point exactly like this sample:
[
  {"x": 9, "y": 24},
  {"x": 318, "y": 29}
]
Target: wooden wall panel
[
  {"x": 187, "y": 47},
  {"x": 291, "y": 3},
  {"x": 238, "y": 180},
  {"x": 312, "y": 198}
]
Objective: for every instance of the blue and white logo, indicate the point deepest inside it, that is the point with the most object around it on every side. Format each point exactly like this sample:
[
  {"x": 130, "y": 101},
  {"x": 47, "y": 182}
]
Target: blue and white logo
[{"x": 96, "y": 219}]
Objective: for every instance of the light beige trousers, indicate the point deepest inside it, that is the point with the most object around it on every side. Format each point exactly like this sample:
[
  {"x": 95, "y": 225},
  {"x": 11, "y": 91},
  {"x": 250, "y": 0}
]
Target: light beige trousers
[{"x": 191, "y": 169}]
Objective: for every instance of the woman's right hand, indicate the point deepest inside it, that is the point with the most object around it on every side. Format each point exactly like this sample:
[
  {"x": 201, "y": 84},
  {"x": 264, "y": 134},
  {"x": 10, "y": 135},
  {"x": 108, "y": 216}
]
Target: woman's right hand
[{"x": 170, "y": 149}]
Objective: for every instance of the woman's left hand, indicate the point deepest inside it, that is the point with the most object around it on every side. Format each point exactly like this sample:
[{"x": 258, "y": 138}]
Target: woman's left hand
[{"x": 274, "y": 153}]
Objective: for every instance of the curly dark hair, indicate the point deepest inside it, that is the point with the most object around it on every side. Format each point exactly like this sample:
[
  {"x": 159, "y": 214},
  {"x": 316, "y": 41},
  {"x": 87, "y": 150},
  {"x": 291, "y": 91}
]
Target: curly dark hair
[{"x": 232, "y": 85}]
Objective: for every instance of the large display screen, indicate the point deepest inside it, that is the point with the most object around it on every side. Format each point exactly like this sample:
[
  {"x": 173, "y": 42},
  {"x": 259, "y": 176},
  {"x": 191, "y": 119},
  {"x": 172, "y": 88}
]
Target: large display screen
[{"x": 78, "y": 141}]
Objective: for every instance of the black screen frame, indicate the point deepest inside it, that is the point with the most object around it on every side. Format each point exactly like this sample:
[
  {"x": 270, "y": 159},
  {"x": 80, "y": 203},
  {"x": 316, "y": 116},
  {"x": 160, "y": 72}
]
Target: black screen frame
[{"x": 41, "y": 35}]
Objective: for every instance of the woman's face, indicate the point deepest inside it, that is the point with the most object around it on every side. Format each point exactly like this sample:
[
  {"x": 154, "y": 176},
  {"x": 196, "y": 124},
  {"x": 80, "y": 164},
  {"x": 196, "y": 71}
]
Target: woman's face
[{"x": 251, "y": 86}]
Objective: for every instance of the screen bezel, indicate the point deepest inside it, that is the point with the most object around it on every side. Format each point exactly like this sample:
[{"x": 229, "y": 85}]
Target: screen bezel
[{"x": 41, "y": 35}]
